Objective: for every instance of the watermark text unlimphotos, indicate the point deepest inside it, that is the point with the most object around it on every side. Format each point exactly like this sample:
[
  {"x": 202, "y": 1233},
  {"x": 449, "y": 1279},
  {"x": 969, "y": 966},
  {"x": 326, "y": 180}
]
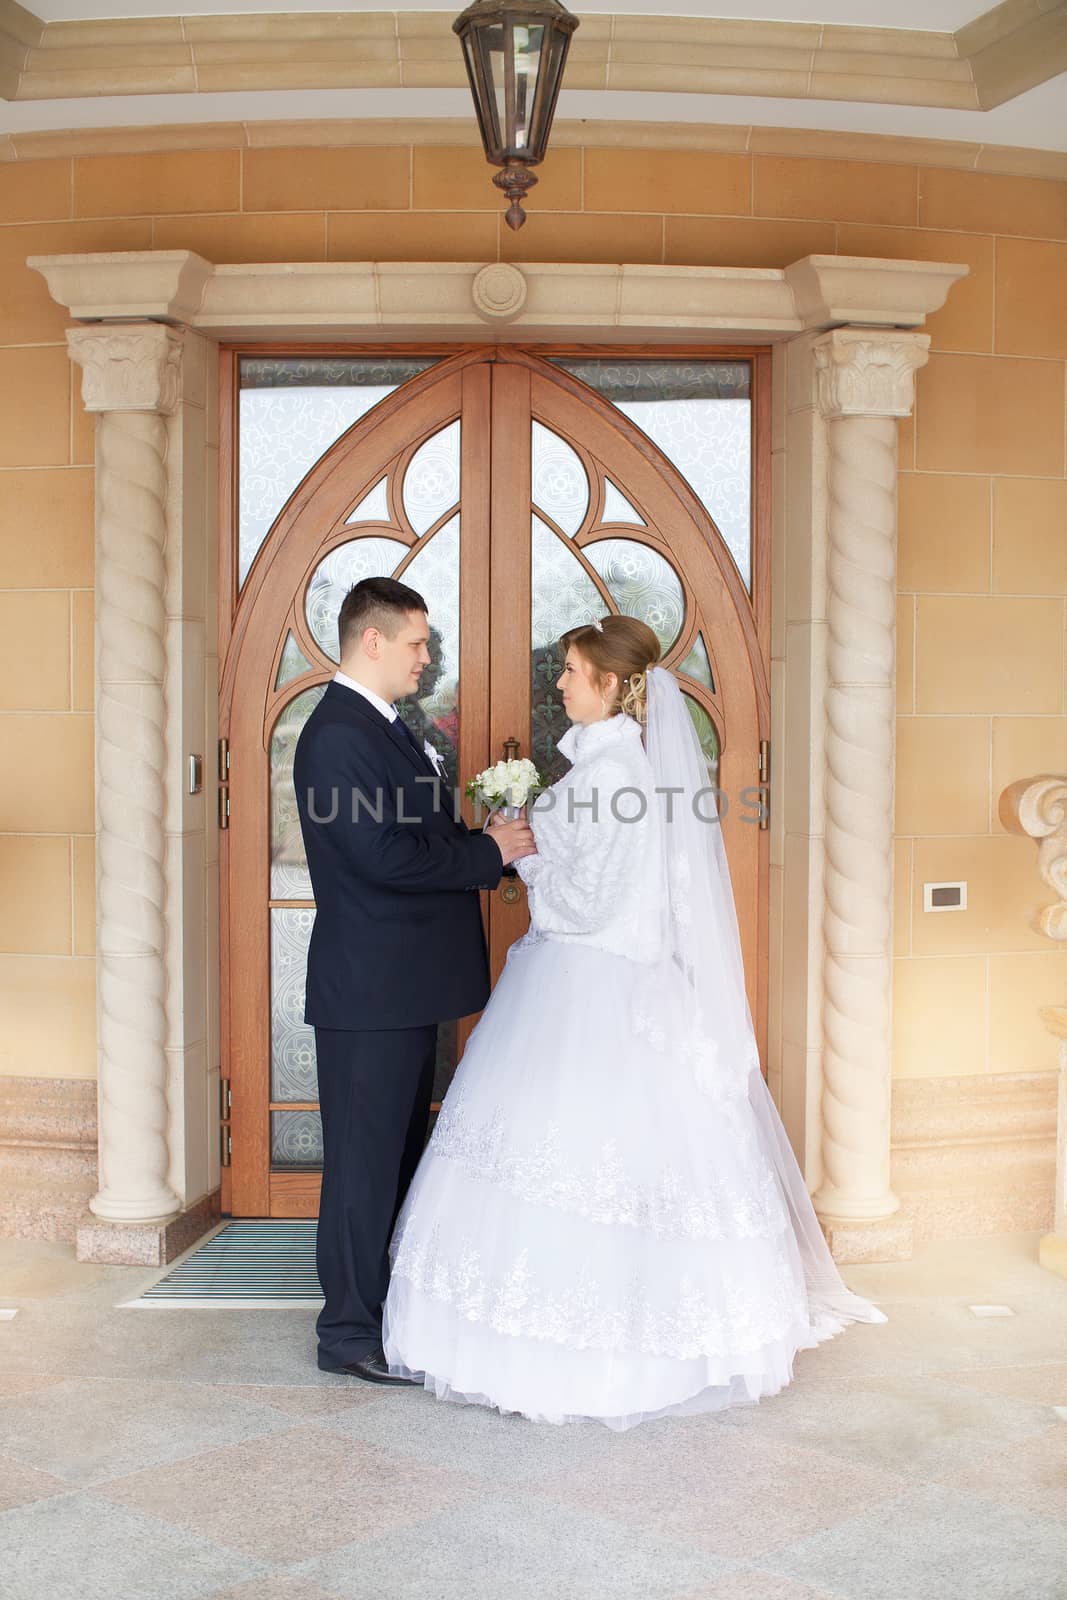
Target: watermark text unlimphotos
[{"x": 628, "y": 804}]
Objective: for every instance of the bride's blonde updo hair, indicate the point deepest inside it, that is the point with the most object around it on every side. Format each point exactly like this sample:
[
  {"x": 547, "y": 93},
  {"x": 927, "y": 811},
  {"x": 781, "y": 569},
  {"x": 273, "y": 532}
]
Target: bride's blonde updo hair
[{"x": 622, "y": 645}]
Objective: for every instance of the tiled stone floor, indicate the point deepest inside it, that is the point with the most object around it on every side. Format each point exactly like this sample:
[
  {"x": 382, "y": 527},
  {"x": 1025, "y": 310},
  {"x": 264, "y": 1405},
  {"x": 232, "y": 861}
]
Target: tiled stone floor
[{"x": 178, "y": 1453}]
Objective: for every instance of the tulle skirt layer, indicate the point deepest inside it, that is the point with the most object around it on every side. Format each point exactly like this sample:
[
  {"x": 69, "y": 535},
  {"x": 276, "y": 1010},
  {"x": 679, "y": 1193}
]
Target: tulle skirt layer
[{"x": 591, "y": 1234}]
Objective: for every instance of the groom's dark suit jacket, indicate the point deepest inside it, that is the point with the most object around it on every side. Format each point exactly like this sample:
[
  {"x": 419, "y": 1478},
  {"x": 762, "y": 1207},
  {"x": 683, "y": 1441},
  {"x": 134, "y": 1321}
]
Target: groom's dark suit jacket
[{"x": 398, "y": 939}]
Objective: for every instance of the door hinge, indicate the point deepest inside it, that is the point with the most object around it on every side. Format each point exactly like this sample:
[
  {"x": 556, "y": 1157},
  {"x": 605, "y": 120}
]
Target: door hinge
[
  {"x": 224, "y": 784},
  {"x": 225, "y": 1102},
  {"x": 765, "y": 783}
]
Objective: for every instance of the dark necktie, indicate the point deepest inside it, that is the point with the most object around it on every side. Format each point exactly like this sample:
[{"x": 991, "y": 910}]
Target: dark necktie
[{"x": 414, "y": 743}]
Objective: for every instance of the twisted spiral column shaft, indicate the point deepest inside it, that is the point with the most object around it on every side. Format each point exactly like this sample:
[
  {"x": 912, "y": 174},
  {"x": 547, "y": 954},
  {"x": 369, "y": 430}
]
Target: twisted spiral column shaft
[
  {"x": 130, "y": 378},
  {"x": 860, "y": 711},
  {"x": 865, "y": 379},
  {"x": 131, "y": 757}
]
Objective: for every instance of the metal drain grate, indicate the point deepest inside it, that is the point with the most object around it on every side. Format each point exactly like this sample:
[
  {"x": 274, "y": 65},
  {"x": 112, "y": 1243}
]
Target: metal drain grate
[{"x": 246, "y": 1265}]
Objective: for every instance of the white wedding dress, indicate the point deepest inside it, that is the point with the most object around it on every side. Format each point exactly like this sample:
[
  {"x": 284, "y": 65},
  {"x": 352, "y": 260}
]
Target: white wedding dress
[{"x": 608, "y": 1220}]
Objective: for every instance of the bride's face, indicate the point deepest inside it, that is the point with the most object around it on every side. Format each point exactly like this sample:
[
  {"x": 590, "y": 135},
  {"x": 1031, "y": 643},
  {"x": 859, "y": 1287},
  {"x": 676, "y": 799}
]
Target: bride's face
[{"x": 582, "y": 700}]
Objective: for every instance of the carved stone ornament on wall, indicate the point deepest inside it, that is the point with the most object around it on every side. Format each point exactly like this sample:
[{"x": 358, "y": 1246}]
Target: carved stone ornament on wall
[
  {"x": 498, "y": 291},
  {"x": 868, "y": 374},
  {"x": 1038, "y": 807},
  {"x": 128, "y": 369}
]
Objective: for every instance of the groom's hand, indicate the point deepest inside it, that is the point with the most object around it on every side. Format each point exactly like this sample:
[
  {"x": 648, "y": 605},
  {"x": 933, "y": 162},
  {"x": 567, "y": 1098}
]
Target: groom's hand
[{"x": 515, "y": 839}]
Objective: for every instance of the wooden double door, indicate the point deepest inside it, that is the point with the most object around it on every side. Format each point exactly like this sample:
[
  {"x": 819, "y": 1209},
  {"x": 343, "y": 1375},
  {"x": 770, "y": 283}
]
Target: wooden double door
[{"x": 521, "y": 492}]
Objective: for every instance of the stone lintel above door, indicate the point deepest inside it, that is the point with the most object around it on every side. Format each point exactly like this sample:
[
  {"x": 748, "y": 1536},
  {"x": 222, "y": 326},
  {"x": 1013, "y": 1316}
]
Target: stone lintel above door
[{"x": 461, "y": 299}]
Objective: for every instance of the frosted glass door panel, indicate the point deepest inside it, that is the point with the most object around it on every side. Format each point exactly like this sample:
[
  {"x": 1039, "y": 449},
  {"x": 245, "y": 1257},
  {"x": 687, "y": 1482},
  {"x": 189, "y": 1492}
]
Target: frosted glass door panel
[
  {"x": 291, "y": 410},
  {"x": 699, "y": 414}
]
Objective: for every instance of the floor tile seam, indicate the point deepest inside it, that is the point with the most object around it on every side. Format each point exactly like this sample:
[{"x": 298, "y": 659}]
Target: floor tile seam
[
  {"x": 305, "y": 1567},
  {"x": 471, "y": 1487},
  {"x": 824, "y": 1593},
  {"x": 984, "y": 1499},
  {"x": 36, "y": 1500},
  {"x": 690, "y": 1541},
  {"x": 186, "y": 1457},
  {"x": 944, "y": 1380},
  {"x": 1012, "y": 1366}
]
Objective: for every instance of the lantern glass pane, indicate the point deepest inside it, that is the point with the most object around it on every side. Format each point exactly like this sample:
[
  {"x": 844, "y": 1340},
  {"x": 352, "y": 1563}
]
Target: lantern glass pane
[
  {"x": 554, "y": 61},
  {"x": 527, "y": 64},
  {"x": 476, "y": 50}
]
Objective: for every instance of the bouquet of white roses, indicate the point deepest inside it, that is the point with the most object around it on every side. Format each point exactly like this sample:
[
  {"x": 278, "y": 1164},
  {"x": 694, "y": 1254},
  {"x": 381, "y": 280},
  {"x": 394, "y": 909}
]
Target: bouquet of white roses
[{"x": 507, "y": 786}]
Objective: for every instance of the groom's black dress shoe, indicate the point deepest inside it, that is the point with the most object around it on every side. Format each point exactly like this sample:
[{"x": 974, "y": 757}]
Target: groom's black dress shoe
[{"x": 372, "y": 1368}]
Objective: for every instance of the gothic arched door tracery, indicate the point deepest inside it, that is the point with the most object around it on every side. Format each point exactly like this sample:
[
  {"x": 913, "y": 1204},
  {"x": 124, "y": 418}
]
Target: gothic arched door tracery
[{"x": 520, "y": 492}]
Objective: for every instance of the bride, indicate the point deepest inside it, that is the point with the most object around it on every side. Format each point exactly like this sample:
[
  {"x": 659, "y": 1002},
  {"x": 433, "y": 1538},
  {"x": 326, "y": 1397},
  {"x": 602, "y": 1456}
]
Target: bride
[{"x": 608, "y": 1220}]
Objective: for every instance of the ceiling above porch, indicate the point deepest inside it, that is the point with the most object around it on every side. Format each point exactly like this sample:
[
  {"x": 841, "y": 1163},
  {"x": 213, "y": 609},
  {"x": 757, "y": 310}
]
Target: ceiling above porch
[{"x": 940, "y": 72}]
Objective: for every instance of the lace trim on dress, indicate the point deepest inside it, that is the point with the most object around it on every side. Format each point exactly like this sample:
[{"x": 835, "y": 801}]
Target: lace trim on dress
[
  {"x": 700, "y": 1052},
  {"x": 746, "y": 1317},
  {"x": 605, "y": 1193}
]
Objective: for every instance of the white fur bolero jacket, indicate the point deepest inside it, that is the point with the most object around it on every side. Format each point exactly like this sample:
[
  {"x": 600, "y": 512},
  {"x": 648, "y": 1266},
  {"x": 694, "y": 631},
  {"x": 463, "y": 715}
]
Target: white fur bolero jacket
[{"x": 597, "y": 877}]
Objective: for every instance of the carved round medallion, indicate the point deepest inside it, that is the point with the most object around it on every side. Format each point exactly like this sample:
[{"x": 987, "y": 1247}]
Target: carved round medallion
[{"x": 499, "y": 290}]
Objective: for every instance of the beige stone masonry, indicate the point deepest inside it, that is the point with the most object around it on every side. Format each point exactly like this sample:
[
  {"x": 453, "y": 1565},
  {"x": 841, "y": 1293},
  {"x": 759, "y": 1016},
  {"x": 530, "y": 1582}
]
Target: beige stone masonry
[
  {"x": 324, "y": 298},
  {"x": 995, "y": 57},
  {"x": 48, "y": 1139},
  {"x": 455, "y": 132},
  {"x": 1014, "y": 47},
  {"x": 835, "y": 400},
  {"x": 20, "y": 31}
]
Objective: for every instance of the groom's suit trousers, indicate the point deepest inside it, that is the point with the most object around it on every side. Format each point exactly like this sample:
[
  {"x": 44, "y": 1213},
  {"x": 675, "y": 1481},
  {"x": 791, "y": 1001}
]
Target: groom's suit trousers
[{"x": 375, "y": 1088}]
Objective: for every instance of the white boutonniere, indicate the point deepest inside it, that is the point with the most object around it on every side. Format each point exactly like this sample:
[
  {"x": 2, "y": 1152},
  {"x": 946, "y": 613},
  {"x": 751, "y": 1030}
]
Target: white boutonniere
[{"x": 435, "y": 757}]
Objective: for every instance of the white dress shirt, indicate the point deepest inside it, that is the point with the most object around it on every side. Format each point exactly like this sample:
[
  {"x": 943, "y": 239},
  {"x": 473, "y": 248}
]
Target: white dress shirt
[{"x": 390, "y": 713}]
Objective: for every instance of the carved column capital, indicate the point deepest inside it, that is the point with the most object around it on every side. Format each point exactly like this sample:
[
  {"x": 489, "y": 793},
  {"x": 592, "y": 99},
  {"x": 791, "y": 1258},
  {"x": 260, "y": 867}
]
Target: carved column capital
[
  {"x": 128, "y": 367},
  {"x": 863, "y": 372},
  {"x": 1038, "y": 807}
]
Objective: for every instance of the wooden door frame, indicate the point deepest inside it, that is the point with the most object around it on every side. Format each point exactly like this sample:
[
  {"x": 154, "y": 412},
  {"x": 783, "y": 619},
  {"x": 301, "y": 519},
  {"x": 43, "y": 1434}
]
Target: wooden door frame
[{"x": 469, "y": 366}]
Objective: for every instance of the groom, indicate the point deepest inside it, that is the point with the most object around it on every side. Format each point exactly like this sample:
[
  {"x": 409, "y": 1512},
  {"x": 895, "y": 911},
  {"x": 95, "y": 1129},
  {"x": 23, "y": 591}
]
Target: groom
[{"x": 397, "y": 947}]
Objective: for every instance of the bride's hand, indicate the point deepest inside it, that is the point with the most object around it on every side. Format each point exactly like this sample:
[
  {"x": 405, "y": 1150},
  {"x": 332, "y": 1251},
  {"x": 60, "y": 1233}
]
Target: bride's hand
[
  {"x": 498, "y": 820},
  {"x": 514, "y": 839}
]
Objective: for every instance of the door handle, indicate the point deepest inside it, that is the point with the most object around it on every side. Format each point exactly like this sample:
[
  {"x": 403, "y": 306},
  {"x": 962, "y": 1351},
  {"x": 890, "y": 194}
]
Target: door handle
[{"x": 510, "y": 893}]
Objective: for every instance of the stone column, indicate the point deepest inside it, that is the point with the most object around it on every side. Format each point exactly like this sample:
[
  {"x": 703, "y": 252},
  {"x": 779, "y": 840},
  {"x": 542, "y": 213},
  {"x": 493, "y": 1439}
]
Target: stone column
[
  {"x": 865, "y": 382},
  {"x": 131, "y": 379},
  {"x": 1038, "y": 807}
]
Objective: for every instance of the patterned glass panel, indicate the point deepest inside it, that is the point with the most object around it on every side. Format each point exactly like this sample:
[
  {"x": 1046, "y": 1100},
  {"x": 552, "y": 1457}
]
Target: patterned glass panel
[
  {"x": 292, "y": 1042},
  {"x": 431, "y": 483},
  {"x": 433, "y": 713},
  {"x": 699, "y": 413},
  {"x": 295, "y": 1139},
  {"x": 289, "y": 878},
  {"x": 642, "y": 584},
  {"x": 708, "y": 735},
  {"x": 292, "y": 664},
  {"x": 560, "y": 484},
  {"x": 617, "y": 508},
  {"x": 291, "y": 410},
  {"x": 345, "y": 565},
  {"x": 564, "y": 595},
  {"x": 374, "y": 507},
  {"x": 697, "y": 665}
]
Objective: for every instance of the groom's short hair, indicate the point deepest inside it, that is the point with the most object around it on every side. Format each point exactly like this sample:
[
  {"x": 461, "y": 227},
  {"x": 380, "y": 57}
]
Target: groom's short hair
[{"x": 380, "y": 603}]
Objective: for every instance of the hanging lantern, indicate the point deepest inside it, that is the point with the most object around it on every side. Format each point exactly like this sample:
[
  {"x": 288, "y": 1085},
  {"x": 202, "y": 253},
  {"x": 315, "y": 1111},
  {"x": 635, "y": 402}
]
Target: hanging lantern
[{"x": 515, "y": 51}]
